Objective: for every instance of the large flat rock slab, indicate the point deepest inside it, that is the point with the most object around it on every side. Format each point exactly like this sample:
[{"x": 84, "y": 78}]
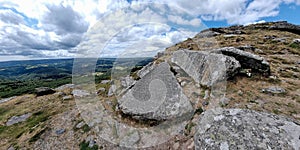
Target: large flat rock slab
[
  {"x": 204, "y": 67},
  {"x": 16, "y": 119},
  {"x": 245, "y": 129},
  {"x": 246, "y": 59},
  {"x": 41, "y": 91},
  {"x": 156, "y": 96}
]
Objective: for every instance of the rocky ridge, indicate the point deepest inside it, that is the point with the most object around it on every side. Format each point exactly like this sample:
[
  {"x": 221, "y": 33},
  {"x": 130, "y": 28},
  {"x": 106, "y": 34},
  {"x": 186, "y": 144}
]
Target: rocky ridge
[{"x": 260, "y": 108}]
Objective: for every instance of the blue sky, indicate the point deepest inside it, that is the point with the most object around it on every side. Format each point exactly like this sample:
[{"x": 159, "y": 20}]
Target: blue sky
[{"x": 70, "y": 28}]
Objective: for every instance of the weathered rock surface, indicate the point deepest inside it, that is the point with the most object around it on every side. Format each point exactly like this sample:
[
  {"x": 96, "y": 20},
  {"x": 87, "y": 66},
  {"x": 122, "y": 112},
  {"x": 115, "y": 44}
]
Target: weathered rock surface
[
  {"x": 207, "y": 34},
  {"x": 100, "y": 90},
  {"x": 63, "y": 87},
  {"x": 274, "y": 90},
  {"x": 127, "y": 81},
  {"x": 296, "y": 41},
  {"x": 60, "y": 131},
  {"x": 43, "y": 91},
  {"x": 130, "y": 140},
  {"x": 7, "y": 99},
  {"x": 281, "y": 26},
  {"x": 246, "y": 59},
  {"x": 16, "y": 119},
  {"x": 80, "y": 93},
  {"x": 105, "y": 81},
  {"x": 156, "y": 96},
  {"x": 146, "y": 69},
  {"x": 111, "y": 90},
  {"x": 80, "y": 124},
  {"x": 204, "y": 67},
  {"x": 68, "y": 97},
  {"x": 245, "y": 129}
]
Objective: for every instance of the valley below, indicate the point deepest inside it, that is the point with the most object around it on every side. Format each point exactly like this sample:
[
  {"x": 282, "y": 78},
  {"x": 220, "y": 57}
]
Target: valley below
[{"x": 226, "y": 88}]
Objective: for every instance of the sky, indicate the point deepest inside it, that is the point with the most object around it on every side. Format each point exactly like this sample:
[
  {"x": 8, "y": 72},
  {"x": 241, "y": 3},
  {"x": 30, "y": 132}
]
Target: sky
[{"x": 42, "y": 29}]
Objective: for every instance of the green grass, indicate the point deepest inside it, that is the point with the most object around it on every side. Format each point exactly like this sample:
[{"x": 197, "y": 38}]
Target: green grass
[
  {"x": 85, "y": 146},
  {"x": 86, "y": 128},
  {"x": 276, "y": 111},
  {"x": 15, "y": 131},
  {"x": 37, "y": 135},
  {"x": 189, "y": 127},
  {"x": 16, "y": 88},
  {"x": 294, "y": 45}
]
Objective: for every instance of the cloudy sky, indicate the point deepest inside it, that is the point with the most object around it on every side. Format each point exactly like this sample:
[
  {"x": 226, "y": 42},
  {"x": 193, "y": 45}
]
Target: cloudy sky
[{"x": 38, "y": 29}]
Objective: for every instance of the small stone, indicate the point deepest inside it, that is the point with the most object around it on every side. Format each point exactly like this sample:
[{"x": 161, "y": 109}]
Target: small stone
[
  {"x": 80, "y": 124},
  {"x": 16, "y": 119},
  {"x": 296, "y": 41},
  {"x": 60, "y": 131},
  {"x": 105, "y": 81},
  {"x": 69, "y": 97},
  {"x": 282, "y": 40},
  {"x": 204, "y": 103},
  {"x": 80, "y": 93},
  {"x": 224, "y": 101},
  {"x": 240, "y": 93},
  {"x": 258, "y": 50},
  {"x": 100, "y": 90},
  {"x": 7, "y": 99},
  {"x": 272, "y": 77},
  {"x": 183, "y": 83},
  {"x": 43, "y": 91},
  {"x": 206, "y": 94},
  {"x": 229, "y": 35},
  {"x": 111, "y": 90},
  {"x": 274, "y": 90},
  {"x": 92, "y": 143}
]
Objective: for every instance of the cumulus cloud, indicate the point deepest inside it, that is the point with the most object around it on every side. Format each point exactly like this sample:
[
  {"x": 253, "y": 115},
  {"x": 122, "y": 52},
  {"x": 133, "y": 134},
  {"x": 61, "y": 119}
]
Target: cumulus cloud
[
  {"x": 30, "y": 29},
  {"x": 8, "y": 16},
  {"x": 63, "y": 20}
]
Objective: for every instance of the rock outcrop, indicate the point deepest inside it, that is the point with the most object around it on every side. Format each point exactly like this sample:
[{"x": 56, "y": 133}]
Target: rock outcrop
[
  {"x": 64, "y": 87},
  {"x": 7, "y": 99},
  {"x": 80, "y": 93},
  {"x": 204, "y": 67},
  {"x": 207, "y": 34},
  {"x": 281, "y": 26},
  {"x": 157, "y": 96},
  {"x": 43, "y": 91},
  {"x": 296, "y": 41},
  {"x": 245, "y": 129},
  {"x": 16, "y": 119},
  {"x": 246, "y": 59},
  {"x": 274, "y": 90}
]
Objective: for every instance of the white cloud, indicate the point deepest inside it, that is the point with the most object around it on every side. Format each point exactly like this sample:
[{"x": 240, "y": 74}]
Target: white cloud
[
  {"x": 180, "y": 20},
  {"x": 47, "y": 28}
]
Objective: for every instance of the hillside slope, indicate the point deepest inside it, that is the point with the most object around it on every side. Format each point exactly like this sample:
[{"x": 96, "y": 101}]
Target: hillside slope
[{"x": 269, "y": 96}]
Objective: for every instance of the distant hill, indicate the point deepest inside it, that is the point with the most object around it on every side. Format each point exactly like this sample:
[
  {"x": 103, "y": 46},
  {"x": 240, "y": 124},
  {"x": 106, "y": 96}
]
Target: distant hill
[{"x": 18, "y": 77}]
